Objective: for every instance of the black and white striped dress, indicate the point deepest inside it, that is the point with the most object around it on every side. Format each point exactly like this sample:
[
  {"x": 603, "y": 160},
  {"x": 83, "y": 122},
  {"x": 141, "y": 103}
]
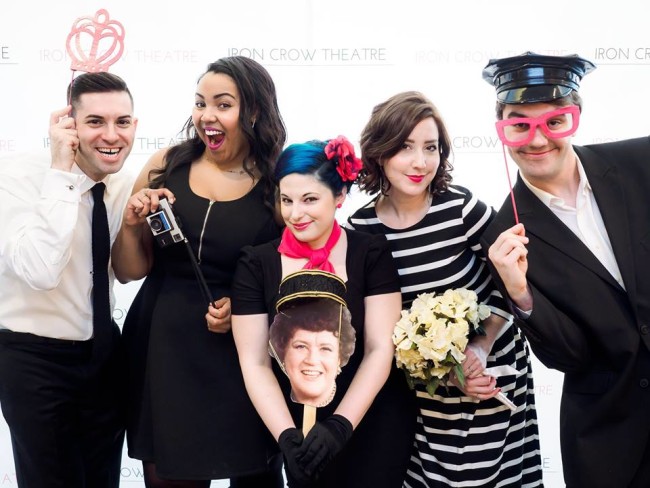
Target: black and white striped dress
[{"x": 461, "y": 442}]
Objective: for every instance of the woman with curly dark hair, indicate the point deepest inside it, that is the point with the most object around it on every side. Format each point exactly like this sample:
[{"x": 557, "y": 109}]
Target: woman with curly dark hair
[{"x": 189, "y": 417}]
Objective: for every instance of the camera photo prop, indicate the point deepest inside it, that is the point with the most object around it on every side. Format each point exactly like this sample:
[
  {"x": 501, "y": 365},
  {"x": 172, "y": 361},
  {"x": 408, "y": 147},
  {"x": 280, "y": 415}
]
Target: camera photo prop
[
  {"x": 312, "y": 337},
  {"x": 166, "y": 230},
  {"x": 164, "y": 225},
  {"x": 95, "y": 43}
]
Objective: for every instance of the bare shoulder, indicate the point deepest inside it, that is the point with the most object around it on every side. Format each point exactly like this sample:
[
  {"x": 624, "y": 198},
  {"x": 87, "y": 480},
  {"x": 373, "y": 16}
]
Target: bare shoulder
[{"x": 155, "y": 163}]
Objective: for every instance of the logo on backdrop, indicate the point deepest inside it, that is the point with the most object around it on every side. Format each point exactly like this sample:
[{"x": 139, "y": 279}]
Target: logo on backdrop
[
  {"x": 7, "y": 145},
  {"x": 130, "y": 474},
  {"x": 141, "y": 145},
  {"x": 473, "y": 56},
  {"x": 8, "y": 479},
  {"x": 5, "y": 55},
  {"x": 549, "y": 465},
  {"x": 367, "y": 56},
  {"x": 602, "y": 139},
  {"x": 150, "y": 144},
  {"x": 545, "y": 389},
  {"x": 621, "y": 55},
  {"x": 134, "y": 56},
  {"x": 600, "y": 55},
  {"x": 476, "y": 143}
]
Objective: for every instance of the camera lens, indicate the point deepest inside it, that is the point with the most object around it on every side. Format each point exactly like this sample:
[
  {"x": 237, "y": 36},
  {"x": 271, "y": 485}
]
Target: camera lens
[{"x": 156, "y": 224}]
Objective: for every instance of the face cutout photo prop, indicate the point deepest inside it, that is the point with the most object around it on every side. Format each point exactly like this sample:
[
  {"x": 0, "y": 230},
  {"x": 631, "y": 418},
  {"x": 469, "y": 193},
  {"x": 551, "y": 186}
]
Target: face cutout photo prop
[{"x": 311, "y": 337}]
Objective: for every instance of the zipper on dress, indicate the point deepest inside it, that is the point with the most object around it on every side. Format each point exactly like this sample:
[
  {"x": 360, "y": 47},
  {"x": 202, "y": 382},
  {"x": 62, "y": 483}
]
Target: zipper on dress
[{"x": 205, "y": 221}]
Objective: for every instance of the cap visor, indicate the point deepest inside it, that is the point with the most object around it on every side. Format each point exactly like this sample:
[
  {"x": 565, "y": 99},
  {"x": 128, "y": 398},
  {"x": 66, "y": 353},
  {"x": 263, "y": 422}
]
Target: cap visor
[{"x": 533, "y": 94}]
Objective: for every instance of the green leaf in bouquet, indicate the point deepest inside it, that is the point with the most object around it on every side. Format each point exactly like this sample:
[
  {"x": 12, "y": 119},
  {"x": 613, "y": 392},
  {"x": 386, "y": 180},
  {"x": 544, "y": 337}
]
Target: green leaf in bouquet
[
  {"x": 432, "y": 386},
  {"x": 458, "y": 369},
  {"x": 409, "y": 379}
]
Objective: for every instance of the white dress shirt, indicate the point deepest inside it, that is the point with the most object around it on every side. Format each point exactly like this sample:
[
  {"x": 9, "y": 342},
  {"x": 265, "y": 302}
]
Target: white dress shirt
[
  {"x": 45, "y": 245},
  {"x": 584, "y": 220}
]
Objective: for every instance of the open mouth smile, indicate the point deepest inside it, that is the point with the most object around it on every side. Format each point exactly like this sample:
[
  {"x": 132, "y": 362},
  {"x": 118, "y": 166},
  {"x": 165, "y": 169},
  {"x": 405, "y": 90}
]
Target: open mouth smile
[{"x": 215, "y": 137}]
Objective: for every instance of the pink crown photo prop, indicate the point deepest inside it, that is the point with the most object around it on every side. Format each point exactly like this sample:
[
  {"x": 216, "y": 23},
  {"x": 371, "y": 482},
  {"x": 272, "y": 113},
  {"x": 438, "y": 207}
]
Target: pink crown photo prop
[{"x": 95, "y": 43}]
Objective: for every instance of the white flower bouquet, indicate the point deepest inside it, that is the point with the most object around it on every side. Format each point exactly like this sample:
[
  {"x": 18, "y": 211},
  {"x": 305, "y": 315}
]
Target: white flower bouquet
[{"x": 432, "y": 335}]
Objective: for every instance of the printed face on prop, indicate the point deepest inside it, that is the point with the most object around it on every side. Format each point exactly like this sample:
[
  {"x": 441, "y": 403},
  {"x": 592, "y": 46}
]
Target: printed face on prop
[{"x": 311, "y": 336}]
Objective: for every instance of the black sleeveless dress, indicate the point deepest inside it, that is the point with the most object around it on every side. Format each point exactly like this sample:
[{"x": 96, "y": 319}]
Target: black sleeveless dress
[{"x": 188, "y": 410}]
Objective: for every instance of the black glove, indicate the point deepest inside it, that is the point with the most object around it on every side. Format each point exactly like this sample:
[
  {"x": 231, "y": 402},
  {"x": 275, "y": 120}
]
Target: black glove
[
  {"x": 322, "y": 444},
  {"x": 290, "y": 441}
]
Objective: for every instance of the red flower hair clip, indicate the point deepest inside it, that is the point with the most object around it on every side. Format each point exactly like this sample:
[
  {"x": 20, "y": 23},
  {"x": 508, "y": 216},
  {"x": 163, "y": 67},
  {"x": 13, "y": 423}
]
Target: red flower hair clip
[{"x": 347, "y": 165}]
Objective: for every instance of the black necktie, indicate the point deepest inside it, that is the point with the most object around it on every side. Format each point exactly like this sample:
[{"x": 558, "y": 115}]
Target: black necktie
[{"x": 101, "y": 243}]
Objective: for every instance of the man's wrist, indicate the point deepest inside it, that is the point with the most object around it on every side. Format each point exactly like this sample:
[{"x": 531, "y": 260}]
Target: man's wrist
[
  {"x": 522, "y": 303},
  {"x": 522, "y": 300}
]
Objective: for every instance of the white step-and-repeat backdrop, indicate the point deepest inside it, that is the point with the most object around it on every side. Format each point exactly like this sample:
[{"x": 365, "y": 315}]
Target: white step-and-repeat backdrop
[{"x": 332, "y": 61}]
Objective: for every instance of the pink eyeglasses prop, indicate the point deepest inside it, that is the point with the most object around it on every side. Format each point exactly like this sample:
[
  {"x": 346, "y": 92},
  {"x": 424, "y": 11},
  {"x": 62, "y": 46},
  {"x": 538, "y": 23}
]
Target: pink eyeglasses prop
[{"x": 519, "y": 131}]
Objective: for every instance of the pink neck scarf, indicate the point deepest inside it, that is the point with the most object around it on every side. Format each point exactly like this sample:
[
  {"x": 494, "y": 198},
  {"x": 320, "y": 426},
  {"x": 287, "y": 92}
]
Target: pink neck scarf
[{"x": 317, "y": 258}]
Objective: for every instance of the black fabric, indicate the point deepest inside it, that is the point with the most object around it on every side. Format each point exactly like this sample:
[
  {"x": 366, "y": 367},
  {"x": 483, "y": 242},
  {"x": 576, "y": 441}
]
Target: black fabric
[
  {"x": 323, "y": 442},
  {"x": 189, "y": 412},
  {"x": 532, "y": 77},
  {"x": 62, "y": 407},
  {"x": 101, "y": 250},
  {"x": 385, "y": 434},
  {"x": 585, "y": 324}
]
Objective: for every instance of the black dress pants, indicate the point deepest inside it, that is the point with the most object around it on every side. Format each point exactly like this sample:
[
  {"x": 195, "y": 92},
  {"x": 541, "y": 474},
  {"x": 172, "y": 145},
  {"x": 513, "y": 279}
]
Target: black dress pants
[{"x": 63, "y": 405}]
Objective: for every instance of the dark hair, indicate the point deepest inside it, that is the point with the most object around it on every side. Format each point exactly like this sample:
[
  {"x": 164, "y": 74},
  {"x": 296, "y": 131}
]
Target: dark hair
[
  {"x": 572, "y": 98},
  {"x": 95, "y": 83},
  {"x": 389, "y": 126},
  {"x": 309, "y": 158},
  {"x": 265, "y": 138},
  {"x": 317, "y": 315}
]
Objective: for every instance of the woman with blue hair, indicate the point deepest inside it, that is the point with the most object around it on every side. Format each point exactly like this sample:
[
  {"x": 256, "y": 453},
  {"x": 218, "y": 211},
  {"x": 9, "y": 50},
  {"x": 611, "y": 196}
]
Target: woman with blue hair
[{"x": 370, "y": 421}]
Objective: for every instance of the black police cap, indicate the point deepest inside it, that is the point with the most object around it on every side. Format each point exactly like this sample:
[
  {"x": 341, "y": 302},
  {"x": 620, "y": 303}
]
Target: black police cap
[{"x": 531, "y": 77}]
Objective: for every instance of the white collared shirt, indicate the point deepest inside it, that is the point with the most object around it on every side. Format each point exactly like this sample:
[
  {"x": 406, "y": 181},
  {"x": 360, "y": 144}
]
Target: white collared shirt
[
  {"x": 584, "y": 220},
  {"x": 45, "y": 245}
]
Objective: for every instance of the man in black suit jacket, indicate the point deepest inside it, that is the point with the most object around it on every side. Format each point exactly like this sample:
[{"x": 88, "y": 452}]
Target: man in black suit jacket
[{"x": 576, "y": 267}]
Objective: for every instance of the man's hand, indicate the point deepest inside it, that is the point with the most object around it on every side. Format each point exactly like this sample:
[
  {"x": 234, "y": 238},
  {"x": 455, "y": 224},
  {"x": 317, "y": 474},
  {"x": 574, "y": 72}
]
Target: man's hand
[
  {"x": 63, "y": 139},
  {"x": 509, "y": 257}
]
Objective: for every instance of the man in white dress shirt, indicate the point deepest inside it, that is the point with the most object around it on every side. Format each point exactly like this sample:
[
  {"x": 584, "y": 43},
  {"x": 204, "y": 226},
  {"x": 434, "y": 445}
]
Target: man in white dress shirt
[
  {"x": 59, "y": 390},
  {"x": 576, "y": 265}
]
